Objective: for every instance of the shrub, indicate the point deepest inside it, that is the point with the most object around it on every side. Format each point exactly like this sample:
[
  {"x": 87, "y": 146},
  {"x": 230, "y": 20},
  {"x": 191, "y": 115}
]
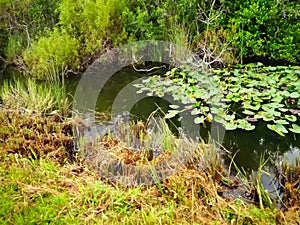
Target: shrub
[
  {"x": 264, "y": 28},
  {"x": 57, "y": 50},
  {"x": 22, "y": 21}
]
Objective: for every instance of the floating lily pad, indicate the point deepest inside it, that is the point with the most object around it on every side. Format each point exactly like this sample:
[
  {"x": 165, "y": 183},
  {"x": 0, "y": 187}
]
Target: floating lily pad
[
  {"x": 171, "y": 114},
  {"x": 196, "y": 111},
  {"x": 248, "y": 112},
  {"x": 199, "y": 120},
  {"x": 230, "y": 117},
  {"x": 295, "y": 128},
  {"x": 294, "y": 111},
  {"x": 174, "y": 106},
  {"x": 283, "y": 109},
  {"x": 251, "y": 119},
  {"x": 278, "y": 128},
  {"x": 291, "y": 118},
  {"x": 284, "y": 122},
  {"x": 294, "y": 95},
  {"x": 245, "y": 125},
  {"x": 230, "y": 126}
]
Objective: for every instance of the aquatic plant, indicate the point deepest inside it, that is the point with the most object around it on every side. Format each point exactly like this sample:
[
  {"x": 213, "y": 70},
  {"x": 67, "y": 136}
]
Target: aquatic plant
[
  {"x": 235, "y": 98},
  {"x": 288, "y": 176}
]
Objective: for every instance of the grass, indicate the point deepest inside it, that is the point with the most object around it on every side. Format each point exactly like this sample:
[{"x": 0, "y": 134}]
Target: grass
[
  {"x": 50, "y": 190},
  {"x": 34, "y": 96}
]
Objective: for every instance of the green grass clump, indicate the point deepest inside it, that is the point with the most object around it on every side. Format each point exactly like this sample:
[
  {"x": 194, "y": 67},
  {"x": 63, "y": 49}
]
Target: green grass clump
[{"x": 34, "y": 96}]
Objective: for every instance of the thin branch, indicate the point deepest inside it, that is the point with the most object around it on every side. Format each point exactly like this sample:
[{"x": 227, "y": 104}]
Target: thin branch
[{"x": 148, "y": 70}]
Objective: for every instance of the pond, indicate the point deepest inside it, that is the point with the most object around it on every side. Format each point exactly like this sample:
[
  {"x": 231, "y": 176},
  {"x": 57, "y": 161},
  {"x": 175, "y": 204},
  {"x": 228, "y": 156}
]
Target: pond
[{"x": 246, "y": 146}]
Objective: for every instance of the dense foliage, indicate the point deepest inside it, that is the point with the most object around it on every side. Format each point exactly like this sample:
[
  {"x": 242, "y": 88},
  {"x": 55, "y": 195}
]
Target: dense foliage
[
  {"x": 263, "y": 28},
  {"x": 73, "y": 33}
]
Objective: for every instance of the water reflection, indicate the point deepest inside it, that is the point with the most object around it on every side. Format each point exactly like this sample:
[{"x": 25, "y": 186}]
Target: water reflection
[{"x": 249, "y": 146}]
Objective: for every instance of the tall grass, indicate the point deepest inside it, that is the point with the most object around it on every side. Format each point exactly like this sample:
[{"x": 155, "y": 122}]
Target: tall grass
[{"x": 36, "y": 96}]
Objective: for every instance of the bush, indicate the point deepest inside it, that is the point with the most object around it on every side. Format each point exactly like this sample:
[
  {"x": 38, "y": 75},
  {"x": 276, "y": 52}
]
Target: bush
[
  {"x": 55, "y": 51},
  {"x": 264, "y": 28},
  {"x": 22, "y": 21},
  {"x": 90, "y": 22}
]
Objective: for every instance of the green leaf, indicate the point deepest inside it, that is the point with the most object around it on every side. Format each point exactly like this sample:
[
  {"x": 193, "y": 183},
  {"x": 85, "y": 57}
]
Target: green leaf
[
  {"x": 284, "y": 122},
  {"x": 174, "y": 106},
  {"x": 248, "y": 112},
  {"x": 244, "y": 124},
  {"x": 230, "y": 126},
  {"x": 278, "y": 128},
  {"x": 291, "y": 118},
  {"x": 295, "y": 128},
  {"x": 294, "y": 95},
  {"x": 205, "y": 109},
  {"x": 171, "y": 114},
  {"x": 229, "y": 117},
  {"x": 283, "y": 109},
  {"x": 199, "y": 120},
  {"x": 196, "y": 111}
]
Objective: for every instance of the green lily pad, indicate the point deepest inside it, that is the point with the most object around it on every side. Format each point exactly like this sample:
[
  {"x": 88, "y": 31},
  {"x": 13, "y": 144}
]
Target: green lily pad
[
  {"x": 196, "y": 111},
  {"x": 230, "y": 126},
  {"x": 248, "y": 112},
  {"x": 244, "y": 124},
  {"x": 174, "y": 106},
  {"x": 199, "y": 120},
  {"x": 283, "y": 109},
  {"x": 278, "y": 128},
  {"x": 283, "y": 122},
  {"x": 294, "y": 95},
  {"x": 295, "y": 128},
  {"x": 291, "y": 118},
  {"x": 229, "y": 117},
  {"x": 171, "y": 114}
]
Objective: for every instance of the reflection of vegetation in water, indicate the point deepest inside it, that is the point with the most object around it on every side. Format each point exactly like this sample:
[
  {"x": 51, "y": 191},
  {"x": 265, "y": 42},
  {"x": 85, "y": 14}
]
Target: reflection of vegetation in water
[{"x": 235, "y": 98}]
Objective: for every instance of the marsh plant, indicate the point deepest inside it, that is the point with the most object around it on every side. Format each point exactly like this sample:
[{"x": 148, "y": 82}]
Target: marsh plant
[
  {"x": 235, "y": 98},
  {"x": 144, "y": 152},
  {"x": 36, "y": 96},
  {"x": 288, "y": 175},
  {"x": 38, "y": 185}
]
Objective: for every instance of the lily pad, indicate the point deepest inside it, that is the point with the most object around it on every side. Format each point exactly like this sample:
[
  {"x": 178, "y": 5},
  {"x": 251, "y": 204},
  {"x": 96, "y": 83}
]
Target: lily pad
[
  {"x": 295, "y": 128},
  {"x": 199, "y": 120},
  {"x": 245, "y": 125},
  {"x": 230, "y": 126},
  {"x": 284, "y": 122},
  {"x": 278, "y": 128},
  {"x": 196, "y": 111},
  {"x": 248, "y": 112},
  {"x": 283, "y": 109},
  {"x": 174, "y": 106},
  {"x": 291, "y": 118},
  {"x": 171, "y": 114},
  {"x": 294, "y": 95}
]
